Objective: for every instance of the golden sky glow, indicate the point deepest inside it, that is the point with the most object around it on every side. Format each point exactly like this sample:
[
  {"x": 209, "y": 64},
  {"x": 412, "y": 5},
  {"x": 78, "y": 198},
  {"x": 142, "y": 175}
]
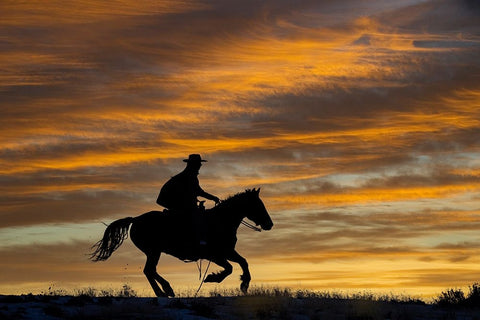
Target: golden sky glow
[{"x": 360, "y": 120}]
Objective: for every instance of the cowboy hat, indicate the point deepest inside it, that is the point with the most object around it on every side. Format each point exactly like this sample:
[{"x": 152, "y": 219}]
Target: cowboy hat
[{"x": 194, "y": 158}]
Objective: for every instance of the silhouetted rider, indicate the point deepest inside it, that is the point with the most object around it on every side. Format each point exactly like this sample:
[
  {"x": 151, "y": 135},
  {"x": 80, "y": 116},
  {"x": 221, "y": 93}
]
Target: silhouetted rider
[
  {"x": 179, "y": 194},
  {"x": 181, "y": 191}
]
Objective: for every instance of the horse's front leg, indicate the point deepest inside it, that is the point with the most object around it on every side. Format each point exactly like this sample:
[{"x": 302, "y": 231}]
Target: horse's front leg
[
  {"x": 245, "y": 277},
  {"x": 220, "y": 276}
]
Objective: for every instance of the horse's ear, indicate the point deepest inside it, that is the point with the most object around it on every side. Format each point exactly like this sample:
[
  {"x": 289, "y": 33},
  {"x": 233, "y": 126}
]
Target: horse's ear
[{"x": 258, "y": 190}]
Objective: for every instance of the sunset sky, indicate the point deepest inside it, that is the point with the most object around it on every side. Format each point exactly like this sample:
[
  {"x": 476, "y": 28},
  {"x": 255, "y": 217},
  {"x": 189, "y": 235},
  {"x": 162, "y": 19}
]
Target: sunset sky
[{"x": 359, "y": 120}]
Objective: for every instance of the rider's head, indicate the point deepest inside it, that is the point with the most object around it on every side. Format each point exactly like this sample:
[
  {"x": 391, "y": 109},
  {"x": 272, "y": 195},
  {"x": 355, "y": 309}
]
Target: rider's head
[{"x": 194, "y": 162}]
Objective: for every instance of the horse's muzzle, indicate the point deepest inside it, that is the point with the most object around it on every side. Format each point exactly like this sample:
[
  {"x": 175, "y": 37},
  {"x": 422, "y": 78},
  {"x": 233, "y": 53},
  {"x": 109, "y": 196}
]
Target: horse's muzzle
[{"x": 267, "y": 226}]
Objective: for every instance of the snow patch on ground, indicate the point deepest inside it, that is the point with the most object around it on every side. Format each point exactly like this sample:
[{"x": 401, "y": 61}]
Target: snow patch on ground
[{"x": 241, "y": 307}]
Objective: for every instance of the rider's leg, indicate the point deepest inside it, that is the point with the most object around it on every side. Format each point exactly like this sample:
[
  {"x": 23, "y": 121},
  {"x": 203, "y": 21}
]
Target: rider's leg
[{"x": 200, "y": 227}]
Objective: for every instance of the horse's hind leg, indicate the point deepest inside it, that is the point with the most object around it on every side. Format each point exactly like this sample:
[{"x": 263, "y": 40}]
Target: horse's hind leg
[
  {"x": 245, "y": 277},
  {"x": 150, "y": 272}
]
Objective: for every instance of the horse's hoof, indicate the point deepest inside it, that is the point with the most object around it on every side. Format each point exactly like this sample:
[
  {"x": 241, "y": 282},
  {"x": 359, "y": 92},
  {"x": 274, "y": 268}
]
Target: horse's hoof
[
  {"x": 210, "y": 278},
  {"x": 160, "y": 294},
  {"x": 244, "y": 287},
  {"x": 170, "y": 293},
  {"x": 215, "y": 277}
]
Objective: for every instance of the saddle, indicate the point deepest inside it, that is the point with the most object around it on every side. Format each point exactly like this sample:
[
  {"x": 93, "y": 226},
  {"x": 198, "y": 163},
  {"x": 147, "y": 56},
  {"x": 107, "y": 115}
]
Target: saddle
[{"x": 191, "y": 226}]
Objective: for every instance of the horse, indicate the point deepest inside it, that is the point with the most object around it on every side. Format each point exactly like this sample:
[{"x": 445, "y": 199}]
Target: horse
[{"x": 157, "y": 232}]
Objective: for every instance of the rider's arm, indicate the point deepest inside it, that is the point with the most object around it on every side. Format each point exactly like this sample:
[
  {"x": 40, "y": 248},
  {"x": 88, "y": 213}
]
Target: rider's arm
[
  {"x": 209, "y": 196},
  {"x": 204, "y": 194}
]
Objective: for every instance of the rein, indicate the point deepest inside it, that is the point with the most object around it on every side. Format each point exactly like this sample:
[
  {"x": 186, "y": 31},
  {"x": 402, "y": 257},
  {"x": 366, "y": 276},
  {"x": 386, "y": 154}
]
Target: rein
[
  {"x": 199, "y": 266},
  {"x": 245, "y": 223},
  {"x": 251, "y": 226}
]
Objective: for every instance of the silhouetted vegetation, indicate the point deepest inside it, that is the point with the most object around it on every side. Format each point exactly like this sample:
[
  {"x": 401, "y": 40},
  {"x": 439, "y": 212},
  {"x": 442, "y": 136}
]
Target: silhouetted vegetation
[
  {"x": 276, "y": 292},
  {"x": 457, "y": 298},
  {"x": 260, "y": 303},
  {"x": 125, "y": 291}
]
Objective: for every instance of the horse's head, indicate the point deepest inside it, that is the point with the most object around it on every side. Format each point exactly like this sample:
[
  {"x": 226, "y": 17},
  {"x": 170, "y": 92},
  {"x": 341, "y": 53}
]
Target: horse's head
[{"x": 257, "y": 211}]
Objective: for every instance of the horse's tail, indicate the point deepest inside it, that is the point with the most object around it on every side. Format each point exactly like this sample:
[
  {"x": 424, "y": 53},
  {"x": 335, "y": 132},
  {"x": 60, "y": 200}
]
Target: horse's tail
[{"x": 113, "y": 238}]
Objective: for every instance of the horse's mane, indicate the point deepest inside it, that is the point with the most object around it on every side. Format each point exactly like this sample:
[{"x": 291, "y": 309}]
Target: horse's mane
[
  {"x": 232, "y": 200},
  {"x": 238, "y": 196}
]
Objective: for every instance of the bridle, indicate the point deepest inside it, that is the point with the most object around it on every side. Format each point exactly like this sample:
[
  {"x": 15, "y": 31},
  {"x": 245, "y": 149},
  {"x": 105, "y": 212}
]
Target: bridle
[
  {"x": 245, "y": 223},
  {"x": 251, "y": 226}
]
